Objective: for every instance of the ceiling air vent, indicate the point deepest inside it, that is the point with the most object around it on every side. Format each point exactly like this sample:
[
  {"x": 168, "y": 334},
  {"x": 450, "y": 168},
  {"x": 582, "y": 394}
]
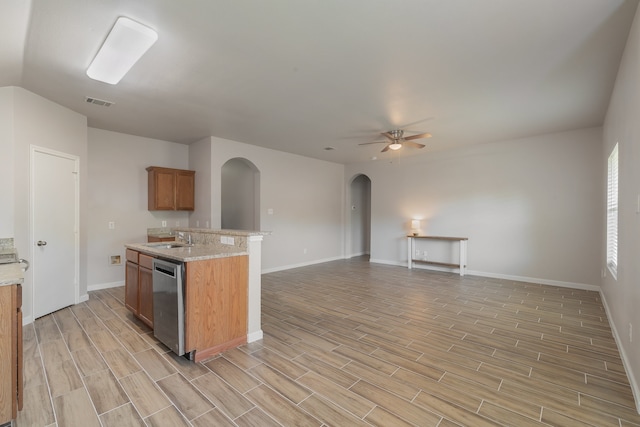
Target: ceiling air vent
[{"x": 97, "y": 101}]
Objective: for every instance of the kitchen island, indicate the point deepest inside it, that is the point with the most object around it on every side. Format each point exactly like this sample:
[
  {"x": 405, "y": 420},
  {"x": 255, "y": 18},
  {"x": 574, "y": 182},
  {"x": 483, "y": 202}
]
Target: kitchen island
[{"x": 221, "y": 286}]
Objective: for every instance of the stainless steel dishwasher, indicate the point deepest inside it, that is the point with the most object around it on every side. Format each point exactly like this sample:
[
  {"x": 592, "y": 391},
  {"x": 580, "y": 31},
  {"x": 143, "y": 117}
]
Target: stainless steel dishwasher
[{"x": 168, "y": 304}]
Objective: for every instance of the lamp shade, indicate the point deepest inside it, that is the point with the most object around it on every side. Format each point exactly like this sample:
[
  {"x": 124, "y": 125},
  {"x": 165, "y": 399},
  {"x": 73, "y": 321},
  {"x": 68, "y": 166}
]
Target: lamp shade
[{"x": 415, "y": 224}]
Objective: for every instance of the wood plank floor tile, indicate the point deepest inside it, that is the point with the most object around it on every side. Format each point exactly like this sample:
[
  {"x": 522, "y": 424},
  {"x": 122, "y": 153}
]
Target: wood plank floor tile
[
  {"x": 329, "y": 413},
  {"x": 346, "y": 398},
  {"x": 213, "y": 418},
  {"x": 351, "y": 342},
  {"x": 144, "y": 393},
  {"x": 227, "y": 399},
  {"x": 256, "y": 418},
  {"x": 235, "y": 376},
  {"x": 105, "y": 391},
  {"x": 123, "y": 416},
  {"x": 155, "y": 364},
  {"x": 380, "y": 417},
  {"x": 396, "y": 405},
  {"x": 278, "y": 381},
  {"x": 168, "y": 417},
  {"x": 75, "y": 409},
  {"x": 121, "y": 363},
  {"x": 280, "y": 408},
  {"x": 189, "y": 401}
]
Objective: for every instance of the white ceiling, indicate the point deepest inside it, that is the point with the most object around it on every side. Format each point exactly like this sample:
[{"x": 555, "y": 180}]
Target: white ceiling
[{"x": 302, "y": 75}]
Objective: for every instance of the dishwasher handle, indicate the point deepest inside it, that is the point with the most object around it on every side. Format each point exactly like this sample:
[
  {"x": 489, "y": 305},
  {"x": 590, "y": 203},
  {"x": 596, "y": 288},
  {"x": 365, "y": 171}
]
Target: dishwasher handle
[{"x": 171, "y": 272}]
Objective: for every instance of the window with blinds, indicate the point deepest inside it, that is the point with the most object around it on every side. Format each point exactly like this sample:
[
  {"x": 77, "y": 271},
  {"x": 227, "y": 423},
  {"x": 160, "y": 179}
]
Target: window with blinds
[{"x": 612, "y": 212}]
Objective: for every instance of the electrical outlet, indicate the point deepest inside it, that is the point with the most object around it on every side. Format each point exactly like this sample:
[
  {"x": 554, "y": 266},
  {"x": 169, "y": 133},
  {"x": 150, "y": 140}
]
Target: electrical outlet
[
  {"x": 164, "y": 223},
  {"x": 417, "y": 253},
  {"x": 112, "y": 225}
]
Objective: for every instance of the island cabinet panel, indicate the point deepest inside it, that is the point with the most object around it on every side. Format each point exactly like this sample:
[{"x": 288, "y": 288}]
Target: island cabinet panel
[
  {"x": 216, "y": 305},
  {"x": 10, "y": 352}
]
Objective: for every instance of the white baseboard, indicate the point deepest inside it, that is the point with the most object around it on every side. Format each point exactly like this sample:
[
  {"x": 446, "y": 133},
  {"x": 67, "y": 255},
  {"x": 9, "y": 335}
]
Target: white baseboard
[
  {"x": 525, "y": 279},
  {"x": 302, "y": 264},
  {"x": 254, "y": 336},
  {"x": 83, "y": 298},
  {"x": 623, "y": 355},
  {"x": 100, "y": 286},
  {"x": 561, "y": 284}
]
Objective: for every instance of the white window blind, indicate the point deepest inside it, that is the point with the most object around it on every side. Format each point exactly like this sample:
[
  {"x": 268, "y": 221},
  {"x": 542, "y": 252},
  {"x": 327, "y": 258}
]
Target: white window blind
[{"x": 612, "y": 211}]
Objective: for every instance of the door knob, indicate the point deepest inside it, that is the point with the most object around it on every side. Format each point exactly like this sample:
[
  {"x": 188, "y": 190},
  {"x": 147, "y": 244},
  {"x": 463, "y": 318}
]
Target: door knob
[{"x": 41, "y": 243}]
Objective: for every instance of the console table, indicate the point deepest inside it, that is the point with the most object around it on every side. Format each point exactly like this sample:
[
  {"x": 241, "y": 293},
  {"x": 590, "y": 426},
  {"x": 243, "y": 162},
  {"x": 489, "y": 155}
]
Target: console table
[{"x": 463, "y": 252}]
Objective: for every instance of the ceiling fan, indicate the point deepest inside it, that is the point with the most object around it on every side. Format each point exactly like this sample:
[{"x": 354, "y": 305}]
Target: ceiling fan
[{"x": 396, "y": 140}]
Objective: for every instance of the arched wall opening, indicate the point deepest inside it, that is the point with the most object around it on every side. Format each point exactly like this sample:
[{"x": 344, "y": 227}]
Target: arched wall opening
[
  {"x": 360, "y": 216},
  {"x": 240, "y": 195}
]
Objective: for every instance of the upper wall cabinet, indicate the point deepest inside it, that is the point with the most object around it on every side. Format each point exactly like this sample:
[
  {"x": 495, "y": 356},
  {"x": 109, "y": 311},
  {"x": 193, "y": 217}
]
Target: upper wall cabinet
[{"x": 171, "y": 189}]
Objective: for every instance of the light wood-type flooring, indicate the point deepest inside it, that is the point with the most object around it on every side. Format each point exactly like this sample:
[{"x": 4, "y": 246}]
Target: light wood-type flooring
[{"x": 346, "y": 343}]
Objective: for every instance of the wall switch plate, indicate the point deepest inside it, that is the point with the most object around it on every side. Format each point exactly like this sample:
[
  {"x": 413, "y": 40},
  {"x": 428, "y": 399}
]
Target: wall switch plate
[
  {"x": 270, "y": 211},
  {"x": 112, "y": 225},
  {"x": 164, "y": 223}
]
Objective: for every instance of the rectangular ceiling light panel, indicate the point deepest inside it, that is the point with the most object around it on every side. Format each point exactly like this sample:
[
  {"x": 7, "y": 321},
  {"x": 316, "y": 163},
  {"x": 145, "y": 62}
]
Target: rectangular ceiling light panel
[{"x": 125, "y": 44}]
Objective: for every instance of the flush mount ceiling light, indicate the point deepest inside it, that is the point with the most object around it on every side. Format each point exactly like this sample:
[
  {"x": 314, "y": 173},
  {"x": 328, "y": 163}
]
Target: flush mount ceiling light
[
  {"x": 395, "y": 146},
  {"x": 125, "y": 44}
]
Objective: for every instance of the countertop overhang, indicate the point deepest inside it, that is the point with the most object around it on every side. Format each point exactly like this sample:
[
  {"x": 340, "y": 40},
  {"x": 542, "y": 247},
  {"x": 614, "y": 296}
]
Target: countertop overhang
[
  {"x": 11, "y": 274},
  {"x": 185, "y": 253}
]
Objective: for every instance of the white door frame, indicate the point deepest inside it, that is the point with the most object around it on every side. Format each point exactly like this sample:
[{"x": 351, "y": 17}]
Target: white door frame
[{"x": 76, "y": 257}]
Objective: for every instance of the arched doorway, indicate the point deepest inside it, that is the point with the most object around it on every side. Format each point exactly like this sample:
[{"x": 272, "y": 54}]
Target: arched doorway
[
  {"x": 360, "y": 206},
  {"x": 240, "y": 201}
]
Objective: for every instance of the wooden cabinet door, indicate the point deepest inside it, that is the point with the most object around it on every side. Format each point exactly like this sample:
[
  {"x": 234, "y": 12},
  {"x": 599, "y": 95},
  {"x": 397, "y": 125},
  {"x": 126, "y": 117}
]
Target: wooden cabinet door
[
  {"x": 165, "y": 190},
  {"x": 185, "y": 186},
  {"x": 145, "y": 283},
  {"x": 131, "y": 287}
]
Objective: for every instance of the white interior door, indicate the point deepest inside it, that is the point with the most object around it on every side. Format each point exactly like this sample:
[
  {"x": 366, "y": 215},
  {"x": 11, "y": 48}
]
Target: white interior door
[{"x": 55, "y": 223}]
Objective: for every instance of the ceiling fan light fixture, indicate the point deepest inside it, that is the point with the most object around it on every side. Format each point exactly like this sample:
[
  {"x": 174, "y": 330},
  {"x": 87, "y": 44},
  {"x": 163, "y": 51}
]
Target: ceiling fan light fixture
[
  {"x": 127, "y": 41},
  {"x": 395, "y": 146}
]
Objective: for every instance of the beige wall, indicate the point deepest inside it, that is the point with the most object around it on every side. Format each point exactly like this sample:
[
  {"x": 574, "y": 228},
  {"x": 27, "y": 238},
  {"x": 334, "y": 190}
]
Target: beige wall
[
  {"x": 305, "y": 195},
  {"x": 118, "y": 193},
  {"x": 530, "y": 207},
  {"x": 40, "y": 122},
  {"x": 622, "y": 295}
]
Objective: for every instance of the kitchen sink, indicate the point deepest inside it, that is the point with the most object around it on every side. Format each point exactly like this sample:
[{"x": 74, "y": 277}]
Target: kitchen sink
[{"x": 167, "y": 245}]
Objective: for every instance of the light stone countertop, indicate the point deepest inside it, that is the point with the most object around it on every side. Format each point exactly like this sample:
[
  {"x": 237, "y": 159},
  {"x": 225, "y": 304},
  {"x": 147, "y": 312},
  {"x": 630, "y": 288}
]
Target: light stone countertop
[
  {"x": 11, "y": 274},
  {"x": 186, "y": 253}
]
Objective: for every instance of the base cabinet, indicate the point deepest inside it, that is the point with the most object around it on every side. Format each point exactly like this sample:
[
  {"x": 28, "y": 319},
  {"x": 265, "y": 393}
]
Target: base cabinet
[
  {"x": 216, "y": 305},
  {"x": 138, "y": 296},
  {"x": 11, "y": 379}
]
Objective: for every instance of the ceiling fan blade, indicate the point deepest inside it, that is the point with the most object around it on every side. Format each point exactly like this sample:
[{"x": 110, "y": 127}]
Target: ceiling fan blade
[
  {"x": 385, "y": 148},
  {"x": 387, "y": 135},
  {"x": 374, "y": 142},
  {"x": 422, "y": 135},
  {"x": 413, "y": 144}
]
